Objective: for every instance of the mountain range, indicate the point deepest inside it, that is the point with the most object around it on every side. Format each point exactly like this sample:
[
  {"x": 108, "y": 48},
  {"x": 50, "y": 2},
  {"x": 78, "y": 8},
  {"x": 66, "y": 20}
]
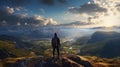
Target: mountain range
[
  {"x": 102, "y": 35},
  {"x": 19, "y": 43},
  {"x": 103, "y": 44}
]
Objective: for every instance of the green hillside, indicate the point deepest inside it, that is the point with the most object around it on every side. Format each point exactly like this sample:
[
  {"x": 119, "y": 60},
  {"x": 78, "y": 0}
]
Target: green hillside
[
  {"x": 108, "y": 48},
  {"x": 9, "y": 47}
]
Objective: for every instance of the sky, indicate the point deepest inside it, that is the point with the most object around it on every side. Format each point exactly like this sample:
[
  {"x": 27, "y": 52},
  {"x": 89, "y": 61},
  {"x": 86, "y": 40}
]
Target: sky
[{"x": 76, "y": 13}]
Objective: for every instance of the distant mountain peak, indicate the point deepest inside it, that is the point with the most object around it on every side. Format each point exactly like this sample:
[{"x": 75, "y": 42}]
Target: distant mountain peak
[{"x": 103, "y": 35}]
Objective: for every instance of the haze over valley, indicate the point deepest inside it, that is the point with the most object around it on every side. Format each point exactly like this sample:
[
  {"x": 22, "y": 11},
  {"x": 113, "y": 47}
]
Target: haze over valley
[{"x": 89, "y": 32}]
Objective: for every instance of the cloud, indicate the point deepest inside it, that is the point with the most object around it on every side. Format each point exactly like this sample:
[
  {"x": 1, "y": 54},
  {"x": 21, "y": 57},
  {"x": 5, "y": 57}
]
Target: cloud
[
  {"x": 7, "y": 17},
  {"x": 118, "y": 7},
  {"x": 114, "y": 0},
  {"x": 87, "y": 8},
  {"x": 19, "y": 8},
  {"x": 48, "y": 21},
  {"x": 77, "y": 23},
  {"x": 10, "y": 10},
  {"x": 98, "y": 12}
]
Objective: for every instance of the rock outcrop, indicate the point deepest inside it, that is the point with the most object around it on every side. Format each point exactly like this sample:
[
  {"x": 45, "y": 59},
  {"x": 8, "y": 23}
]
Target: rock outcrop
[{"x": 63, "y": 61}]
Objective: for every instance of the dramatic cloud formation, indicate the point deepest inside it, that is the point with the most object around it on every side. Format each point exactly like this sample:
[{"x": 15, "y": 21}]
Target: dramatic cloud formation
[
  {"x": 7, "y": 17},
  {"x": 35, "y": 17},
  {"x": 99, "y": 12},
  {"x": 88, "y": 8},
  {"x": 79, "y": 12}
]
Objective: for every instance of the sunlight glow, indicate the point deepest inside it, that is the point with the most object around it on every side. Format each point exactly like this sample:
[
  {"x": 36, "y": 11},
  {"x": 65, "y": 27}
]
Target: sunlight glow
[
  {"x": 110, "y": 21},
  {"x": 111, "y": 17}
]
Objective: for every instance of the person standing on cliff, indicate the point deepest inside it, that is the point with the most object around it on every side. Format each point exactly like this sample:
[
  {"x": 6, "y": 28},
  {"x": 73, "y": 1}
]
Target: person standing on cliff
[{"x": 55, "y": 44}]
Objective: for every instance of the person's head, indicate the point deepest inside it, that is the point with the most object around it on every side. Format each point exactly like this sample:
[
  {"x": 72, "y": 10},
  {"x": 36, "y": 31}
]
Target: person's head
[{"x": 55, "y": 34}]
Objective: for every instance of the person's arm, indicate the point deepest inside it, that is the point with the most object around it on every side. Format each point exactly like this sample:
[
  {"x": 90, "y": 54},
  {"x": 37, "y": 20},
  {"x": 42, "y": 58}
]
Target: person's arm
[
  {"x": 52, "y": 42},
  {"x": 59, "y": 42}
]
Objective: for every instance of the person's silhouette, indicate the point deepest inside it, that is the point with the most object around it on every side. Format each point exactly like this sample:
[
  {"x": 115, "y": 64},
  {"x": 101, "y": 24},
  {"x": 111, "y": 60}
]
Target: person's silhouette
[{"x": 55, "y": 44}]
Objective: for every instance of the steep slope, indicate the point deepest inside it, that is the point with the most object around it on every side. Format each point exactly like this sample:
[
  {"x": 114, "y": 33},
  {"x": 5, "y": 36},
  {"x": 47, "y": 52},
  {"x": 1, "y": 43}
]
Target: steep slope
[
  {"x": 5, "y": 49},
  {"x": 103, "y": 44},
  {"x": 111, "y": 48},
  {"x": 81, "y": 40},
  {"x": 107, "y": 49},
  {"x": 8, "y": 49},
  {"x": 18, "y": 42},
  {"x": 102, "y": 35}
]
